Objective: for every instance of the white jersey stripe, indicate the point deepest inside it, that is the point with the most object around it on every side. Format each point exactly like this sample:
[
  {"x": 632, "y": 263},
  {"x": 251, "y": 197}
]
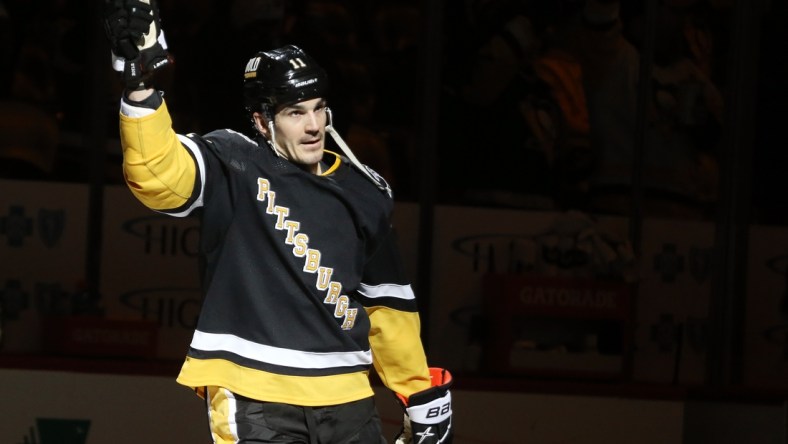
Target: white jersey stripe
[
  {"x": 278, "y": 356},
  {"x": 191, "y": 146},
  {"x": 387, "y": 290}
]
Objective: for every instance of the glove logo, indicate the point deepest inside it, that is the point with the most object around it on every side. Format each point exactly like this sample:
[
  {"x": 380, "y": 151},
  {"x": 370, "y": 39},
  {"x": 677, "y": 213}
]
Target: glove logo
[
  {"x": 435, "y": 412},
  {"x": 425, "y": 434}
]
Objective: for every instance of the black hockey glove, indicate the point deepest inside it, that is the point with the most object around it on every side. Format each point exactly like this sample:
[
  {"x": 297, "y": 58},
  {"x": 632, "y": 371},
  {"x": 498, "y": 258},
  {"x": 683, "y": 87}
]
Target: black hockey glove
[
  {"x": 136, "y": 39},
  {"x": 428, "y": 413}
]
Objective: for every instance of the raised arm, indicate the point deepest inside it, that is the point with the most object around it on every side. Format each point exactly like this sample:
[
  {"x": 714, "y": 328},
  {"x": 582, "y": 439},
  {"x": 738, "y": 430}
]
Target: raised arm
[{"x": 158, "y": 169}]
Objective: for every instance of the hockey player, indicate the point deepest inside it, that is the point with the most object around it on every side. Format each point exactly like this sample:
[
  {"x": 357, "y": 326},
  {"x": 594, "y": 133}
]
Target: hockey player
[{"x": 303, "y": 289}]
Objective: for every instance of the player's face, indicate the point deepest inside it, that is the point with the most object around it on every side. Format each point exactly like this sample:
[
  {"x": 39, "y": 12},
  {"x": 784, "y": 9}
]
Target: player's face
[{"x": 300, "y": 131}]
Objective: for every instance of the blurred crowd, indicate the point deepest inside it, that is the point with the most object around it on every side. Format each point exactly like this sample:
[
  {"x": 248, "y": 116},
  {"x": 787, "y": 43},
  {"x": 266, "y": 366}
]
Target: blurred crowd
[
  {"x": 539, "y": 99},
  {"x": 549, "y": 94}
]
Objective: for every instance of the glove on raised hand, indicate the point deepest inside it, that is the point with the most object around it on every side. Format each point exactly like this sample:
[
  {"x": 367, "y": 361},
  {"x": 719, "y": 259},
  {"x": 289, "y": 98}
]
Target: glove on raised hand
[
  {"x": 427, "y": 417},
  {"x": 136, "y": 39}
]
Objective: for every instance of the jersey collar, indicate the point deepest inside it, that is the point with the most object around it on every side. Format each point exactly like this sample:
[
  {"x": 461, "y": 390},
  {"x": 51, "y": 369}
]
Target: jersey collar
[{"x": 337, "y": 162}]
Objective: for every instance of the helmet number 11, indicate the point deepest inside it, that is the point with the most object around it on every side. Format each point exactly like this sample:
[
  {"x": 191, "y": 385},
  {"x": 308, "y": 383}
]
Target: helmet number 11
[{"x": 297, "y": 63}]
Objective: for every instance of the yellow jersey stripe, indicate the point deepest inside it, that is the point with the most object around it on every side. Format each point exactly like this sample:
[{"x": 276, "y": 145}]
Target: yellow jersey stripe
[{"x": 264, "y": 386}]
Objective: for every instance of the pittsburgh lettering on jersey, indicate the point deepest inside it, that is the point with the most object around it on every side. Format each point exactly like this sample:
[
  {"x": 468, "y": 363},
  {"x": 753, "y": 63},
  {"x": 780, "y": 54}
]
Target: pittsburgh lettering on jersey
[{"x": 311, "y": 256}]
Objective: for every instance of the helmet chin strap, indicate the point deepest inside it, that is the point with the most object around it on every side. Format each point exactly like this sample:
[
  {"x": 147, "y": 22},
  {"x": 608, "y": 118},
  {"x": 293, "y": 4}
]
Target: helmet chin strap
[
  {"x": 371, "y": 175},
  {"x": 272, "y": 140}
]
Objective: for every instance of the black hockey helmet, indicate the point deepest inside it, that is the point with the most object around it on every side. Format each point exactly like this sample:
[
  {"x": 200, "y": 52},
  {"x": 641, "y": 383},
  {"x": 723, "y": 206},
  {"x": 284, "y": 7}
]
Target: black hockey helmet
[{"x": 280, "y": 77}]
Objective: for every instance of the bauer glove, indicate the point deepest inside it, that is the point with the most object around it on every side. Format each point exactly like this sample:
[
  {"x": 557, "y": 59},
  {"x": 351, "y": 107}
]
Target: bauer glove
[
  {"x": 428, "y": 413},
  {"x": 136, "y": 39}
]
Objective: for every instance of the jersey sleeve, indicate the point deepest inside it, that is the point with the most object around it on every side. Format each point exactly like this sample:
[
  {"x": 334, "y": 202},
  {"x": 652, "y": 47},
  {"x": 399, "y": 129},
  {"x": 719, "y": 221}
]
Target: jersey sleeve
[
  {"x": 395, "y": 327},
  {"x": 159, "y": 166}
]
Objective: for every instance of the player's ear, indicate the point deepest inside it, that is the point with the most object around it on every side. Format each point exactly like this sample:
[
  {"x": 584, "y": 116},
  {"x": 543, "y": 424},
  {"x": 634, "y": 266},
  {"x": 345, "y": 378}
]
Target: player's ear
[{"x": 260, "y": 123}]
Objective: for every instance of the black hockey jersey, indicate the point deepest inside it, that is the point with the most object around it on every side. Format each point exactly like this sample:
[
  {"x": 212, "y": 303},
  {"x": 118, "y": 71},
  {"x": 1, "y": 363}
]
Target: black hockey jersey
[{"x": 303, "y": 287}]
